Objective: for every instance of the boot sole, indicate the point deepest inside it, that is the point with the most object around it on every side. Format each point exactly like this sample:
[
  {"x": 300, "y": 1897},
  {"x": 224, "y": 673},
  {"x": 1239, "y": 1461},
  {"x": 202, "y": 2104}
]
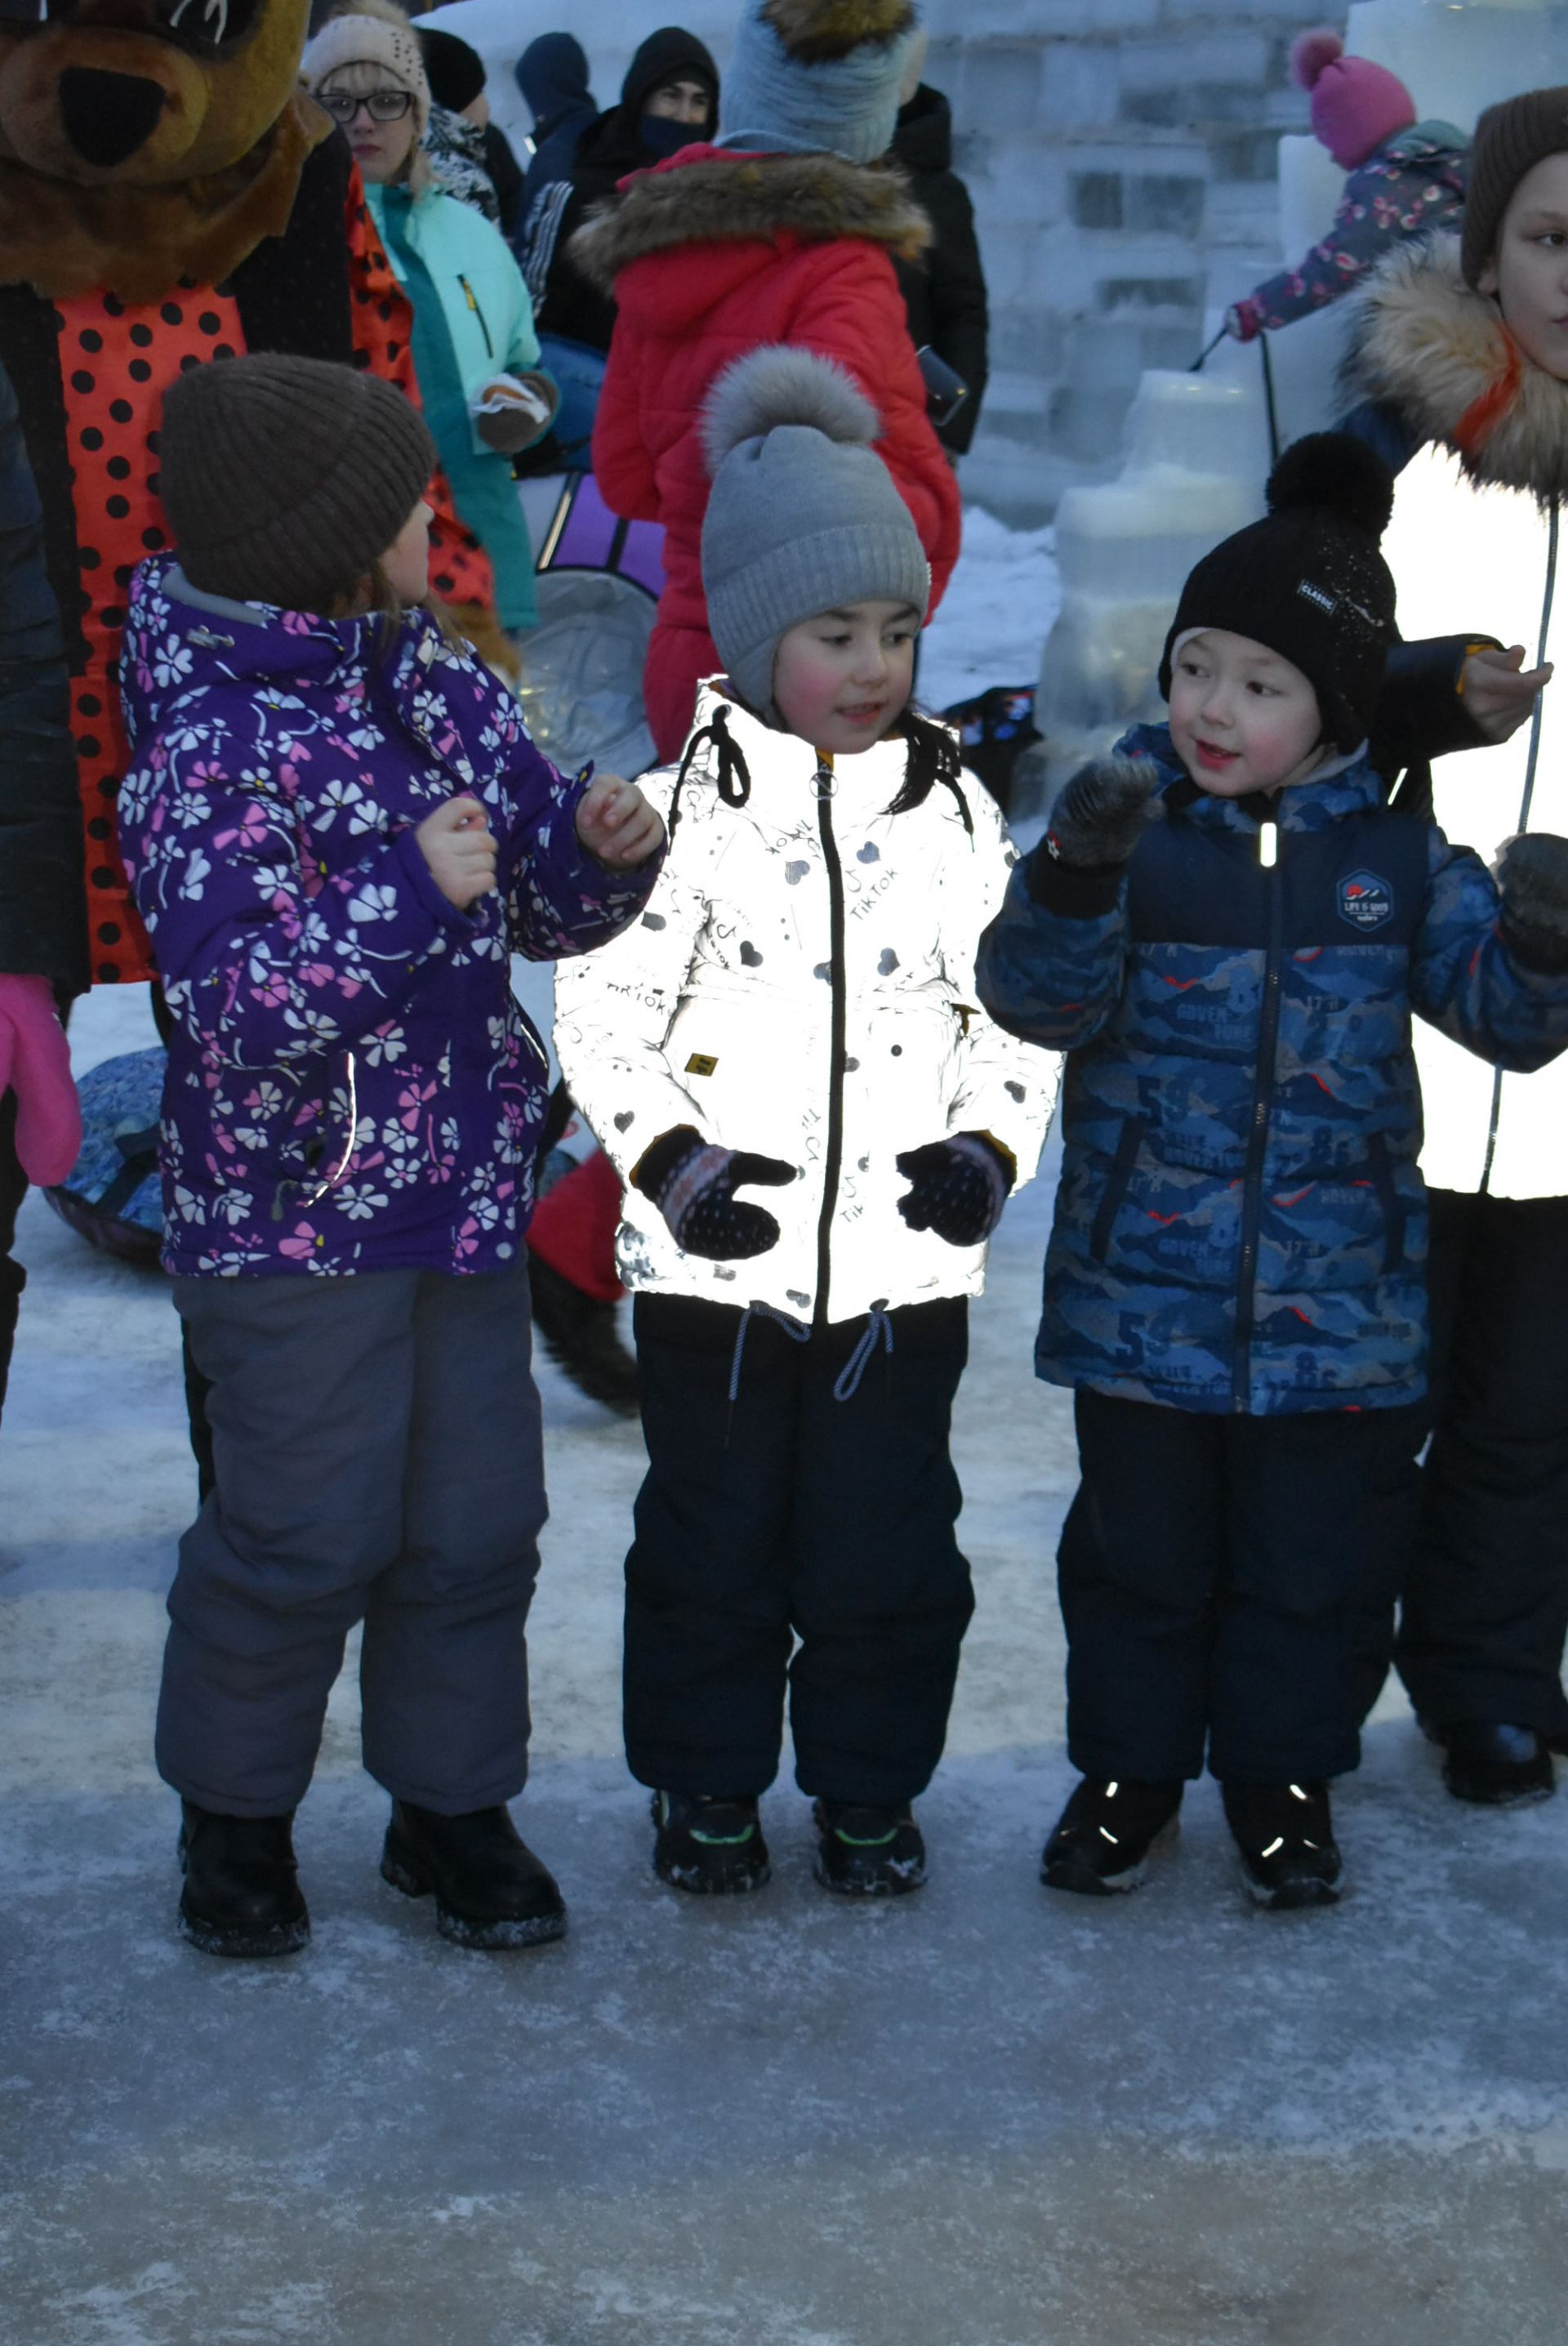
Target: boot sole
[
  {"x": 891, "y": 1882},
  {"x": 491, "y": 1935},
  {"x": 276, "y": 1939},
  {"x": 1073, "y": 1872},
  {"x": 696, "y": 1883},
  {"x": 1521, "y": 1796},
  {"x": 1290, "y": 1897}
]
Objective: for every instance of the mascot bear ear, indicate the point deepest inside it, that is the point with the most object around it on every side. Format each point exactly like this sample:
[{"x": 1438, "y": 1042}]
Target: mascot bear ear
[{"x": 164, "y": 145}]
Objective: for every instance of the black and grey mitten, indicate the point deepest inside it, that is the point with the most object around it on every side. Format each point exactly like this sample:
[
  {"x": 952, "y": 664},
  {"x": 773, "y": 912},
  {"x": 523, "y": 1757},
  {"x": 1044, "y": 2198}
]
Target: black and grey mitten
[
  {"x": 1532, "y": 874},
  {"x": 958, "y": 1186},
  {"x": 1099, "y": 817},
  {"x": 693, "y": 1182}
]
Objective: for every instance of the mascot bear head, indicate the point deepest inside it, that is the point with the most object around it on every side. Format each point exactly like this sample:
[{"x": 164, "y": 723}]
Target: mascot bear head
[{"x": 146, "y": 141}]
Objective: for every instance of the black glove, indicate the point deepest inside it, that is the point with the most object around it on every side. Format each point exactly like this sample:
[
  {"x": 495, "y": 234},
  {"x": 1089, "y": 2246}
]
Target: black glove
[
  {"x": 1532, "y": 874},
  {"x": 958, "y": 1186},
  {"x": 1099, "y": 817},
  {"x": 693, "y": 1183}
]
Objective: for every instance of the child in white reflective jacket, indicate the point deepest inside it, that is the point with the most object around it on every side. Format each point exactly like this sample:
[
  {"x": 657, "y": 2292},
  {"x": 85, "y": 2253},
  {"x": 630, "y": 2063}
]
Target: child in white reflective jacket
[{"x": 796, "y": 1012}]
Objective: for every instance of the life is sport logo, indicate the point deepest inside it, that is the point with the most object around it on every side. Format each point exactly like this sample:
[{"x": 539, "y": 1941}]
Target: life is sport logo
[{"x": 1365, "y": 900}]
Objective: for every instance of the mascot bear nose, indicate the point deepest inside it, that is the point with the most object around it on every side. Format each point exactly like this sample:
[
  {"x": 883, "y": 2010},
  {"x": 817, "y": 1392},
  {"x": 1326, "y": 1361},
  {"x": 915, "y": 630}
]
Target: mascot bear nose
[{"x": 108, "y": 115}]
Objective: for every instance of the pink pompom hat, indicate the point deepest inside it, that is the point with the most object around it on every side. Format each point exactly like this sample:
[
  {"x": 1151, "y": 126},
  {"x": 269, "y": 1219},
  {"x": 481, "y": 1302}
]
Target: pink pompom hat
[{"x": 1356, "y": 104}]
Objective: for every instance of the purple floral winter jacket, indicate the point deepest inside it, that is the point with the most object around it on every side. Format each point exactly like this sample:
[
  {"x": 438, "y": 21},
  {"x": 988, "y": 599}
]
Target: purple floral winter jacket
[
  {"x": 351, "y": 1087},
  {"x": 1412, "y": 186}
]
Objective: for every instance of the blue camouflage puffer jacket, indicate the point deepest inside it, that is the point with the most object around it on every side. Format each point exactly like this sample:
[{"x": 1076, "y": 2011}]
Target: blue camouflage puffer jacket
[{"x": 1241, "y": 1224}]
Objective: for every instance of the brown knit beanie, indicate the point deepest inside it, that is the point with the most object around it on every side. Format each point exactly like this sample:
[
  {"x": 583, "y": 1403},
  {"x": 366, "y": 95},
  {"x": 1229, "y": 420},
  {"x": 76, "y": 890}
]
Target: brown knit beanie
[
  {"x": 1509, "y": 140},
  {"x": 285, "y": 479}
]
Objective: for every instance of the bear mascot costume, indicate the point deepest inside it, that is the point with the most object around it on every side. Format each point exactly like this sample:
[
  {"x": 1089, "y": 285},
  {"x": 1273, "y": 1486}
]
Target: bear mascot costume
[{"x": 168, "y": 196}]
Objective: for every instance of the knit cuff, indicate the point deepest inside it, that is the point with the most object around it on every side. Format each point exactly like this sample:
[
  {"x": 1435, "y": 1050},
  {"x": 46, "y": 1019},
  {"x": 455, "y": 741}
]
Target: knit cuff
[{"x": 660, "y": 1158}]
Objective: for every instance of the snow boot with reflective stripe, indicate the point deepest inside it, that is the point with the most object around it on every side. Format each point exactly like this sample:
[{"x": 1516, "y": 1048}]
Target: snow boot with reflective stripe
[
  {"x": 1104, "y": 1836},
  {"x": 868, "y": 1852},
  {"x": 1285, "y": 1836},
  {"x": 709, "y": 1843}
]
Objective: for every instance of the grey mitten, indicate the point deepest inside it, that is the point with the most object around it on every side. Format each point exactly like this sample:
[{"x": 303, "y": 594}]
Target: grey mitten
[
  {"x": 1099, "y": 817},
  {"x": 1532, "y": 874}
]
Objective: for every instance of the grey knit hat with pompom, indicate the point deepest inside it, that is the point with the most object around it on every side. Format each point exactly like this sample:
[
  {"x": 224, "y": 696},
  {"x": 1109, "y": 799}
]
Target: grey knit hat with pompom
[{"x": 803, "y": 516}]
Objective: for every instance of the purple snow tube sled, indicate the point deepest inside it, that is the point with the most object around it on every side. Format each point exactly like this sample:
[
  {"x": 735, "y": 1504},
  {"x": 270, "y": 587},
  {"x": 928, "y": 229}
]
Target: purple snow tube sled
[{"x": 599, "y": 581}]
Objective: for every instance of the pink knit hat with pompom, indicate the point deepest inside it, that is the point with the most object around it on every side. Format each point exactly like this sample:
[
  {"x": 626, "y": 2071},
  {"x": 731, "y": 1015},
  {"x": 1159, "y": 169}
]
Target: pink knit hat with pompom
[{"x": 1356, "y": 104}]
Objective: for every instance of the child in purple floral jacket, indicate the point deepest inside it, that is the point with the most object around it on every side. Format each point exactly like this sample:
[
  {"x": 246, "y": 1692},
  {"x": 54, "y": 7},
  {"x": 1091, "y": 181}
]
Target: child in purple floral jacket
[
  {"x": 337, "y": 830},
  {"x": 1407, "y": 180}
]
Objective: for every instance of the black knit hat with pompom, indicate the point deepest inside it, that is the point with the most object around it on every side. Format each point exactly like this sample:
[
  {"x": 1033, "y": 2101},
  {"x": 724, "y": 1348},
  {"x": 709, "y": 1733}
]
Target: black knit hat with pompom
[{"x": 1308, "y": 580}]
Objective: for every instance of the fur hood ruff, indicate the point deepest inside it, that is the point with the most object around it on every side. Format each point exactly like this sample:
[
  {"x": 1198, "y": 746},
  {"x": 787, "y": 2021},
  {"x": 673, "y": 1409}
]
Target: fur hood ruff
[
  {"x": 724, "y": 199},
  {"x": 1424, "y": 343}
]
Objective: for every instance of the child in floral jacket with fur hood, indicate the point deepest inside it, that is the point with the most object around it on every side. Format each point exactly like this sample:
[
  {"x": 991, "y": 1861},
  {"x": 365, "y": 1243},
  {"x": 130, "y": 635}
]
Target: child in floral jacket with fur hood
[{"x": 336, "y": 830}]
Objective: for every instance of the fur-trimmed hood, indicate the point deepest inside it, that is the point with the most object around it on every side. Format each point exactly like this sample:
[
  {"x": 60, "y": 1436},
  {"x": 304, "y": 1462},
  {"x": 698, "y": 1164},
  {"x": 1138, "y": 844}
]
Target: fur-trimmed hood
[
  {"x": 1425, "y": 342},
  {"x": 707, "y": 196}
]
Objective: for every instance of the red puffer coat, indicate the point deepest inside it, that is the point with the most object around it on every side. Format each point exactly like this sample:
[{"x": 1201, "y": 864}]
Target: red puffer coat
[{"x": 707, "y": 256}]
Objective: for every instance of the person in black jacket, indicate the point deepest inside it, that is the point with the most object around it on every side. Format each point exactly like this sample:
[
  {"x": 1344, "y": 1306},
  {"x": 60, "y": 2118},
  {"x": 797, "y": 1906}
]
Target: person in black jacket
[
  {"x": 944, "y": 290},
  {"x": 553, "y": 74},
  {"x": 43, "y": 917},
  {"x": 669, "y": 99}
]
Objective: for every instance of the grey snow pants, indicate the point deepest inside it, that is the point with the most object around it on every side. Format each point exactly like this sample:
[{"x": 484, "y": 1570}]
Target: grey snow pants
[{"x": 379, "y": 1458}]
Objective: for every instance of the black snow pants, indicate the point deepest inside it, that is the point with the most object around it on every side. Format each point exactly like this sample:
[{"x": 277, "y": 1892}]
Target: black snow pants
[
  {"x": 1212, "y": 1575},
  {"x": 785, "y": 1513},
  {"x": 1485, "y": 1601}
]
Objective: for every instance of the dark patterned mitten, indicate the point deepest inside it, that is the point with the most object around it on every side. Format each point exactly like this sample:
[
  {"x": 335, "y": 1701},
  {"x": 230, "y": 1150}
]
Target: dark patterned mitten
[
  {"x": 1533, "y": 877},
  {"x": 958, "y": 1186},
  {"x": 693, "y": 1183},
  {"x": 1099, "y": 817}
]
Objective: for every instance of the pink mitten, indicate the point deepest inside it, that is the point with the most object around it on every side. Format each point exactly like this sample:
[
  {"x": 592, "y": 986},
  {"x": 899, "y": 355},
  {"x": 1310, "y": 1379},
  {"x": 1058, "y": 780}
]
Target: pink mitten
[{"x": 35, "y": 1064}]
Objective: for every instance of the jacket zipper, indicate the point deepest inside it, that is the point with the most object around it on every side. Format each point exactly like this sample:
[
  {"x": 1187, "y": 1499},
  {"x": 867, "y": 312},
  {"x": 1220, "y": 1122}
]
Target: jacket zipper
[
  {"x": 832, "y": 1164},
  {"x": 1258, "y": 1138},
  {"x": 1549, "y": 596},
  {"x": 474, "y": 305}
]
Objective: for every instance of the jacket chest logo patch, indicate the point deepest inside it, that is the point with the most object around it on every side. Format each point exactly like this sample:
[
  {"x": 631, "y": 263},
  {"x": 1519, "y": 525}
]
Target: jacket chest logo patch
[{"x": 1365, "y": 899}]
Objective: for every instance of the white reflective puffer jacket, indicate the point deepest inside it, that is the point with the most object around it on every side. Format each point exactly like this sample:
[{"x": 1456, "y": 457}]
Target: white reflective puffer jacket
[
  {"x": 1456, "y": 549},
  {"x": 1470, "y": 545},
  {"x": 801, "y": 984}
]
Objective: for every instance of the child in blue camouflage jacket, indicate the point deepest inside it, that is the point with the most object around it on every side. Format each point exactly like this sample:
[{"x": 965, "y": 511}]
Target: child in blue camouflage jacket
[{"x": 1235, "y": 1281}]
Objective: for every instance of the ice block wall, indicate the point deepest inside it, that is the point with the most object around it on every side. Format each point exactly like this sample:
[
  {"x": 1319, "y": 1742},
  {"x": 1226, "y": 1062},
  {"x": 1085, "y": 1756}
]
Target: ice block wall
[{"x": 1126, "y": 546}]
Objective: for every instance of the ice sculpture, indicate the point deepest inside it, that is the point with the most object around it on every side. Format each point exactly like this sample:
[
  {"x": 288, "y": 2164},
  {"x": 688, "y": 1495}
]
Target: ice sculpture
[{"x": 1197, "y": 445}]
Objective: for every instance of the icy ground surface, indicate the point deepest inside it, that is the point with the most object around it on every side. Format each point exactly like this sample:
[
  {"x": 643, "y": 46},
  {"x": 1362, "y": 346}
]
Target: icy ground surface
[{"x": 986, "y": 2116}]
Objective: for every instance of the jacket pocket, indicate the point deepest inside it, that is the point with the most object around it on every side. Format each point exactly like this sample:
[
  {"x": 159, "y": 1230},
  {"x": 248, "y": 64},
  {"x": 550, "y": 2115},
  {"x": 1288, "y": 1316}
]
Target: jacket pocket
[
  {"x": 1116, "y": 1186},
  {"x": 1382, "y": 1168}
]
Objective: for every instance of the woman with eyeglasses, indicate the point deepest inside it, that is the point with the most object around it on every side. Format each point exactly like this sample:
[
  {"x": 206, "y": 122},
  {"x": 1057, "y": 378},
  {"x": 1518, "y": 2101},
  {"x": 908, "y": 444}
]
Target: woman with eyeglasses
[{"x": 475, "y": 352}]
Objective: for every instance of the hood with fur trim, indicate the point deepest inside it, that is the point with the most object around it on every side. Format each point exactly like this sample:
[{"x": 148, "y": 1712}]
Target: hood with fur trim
[
  {"x": 1425, "y": 342},
  {"x": 707, "y": 196}
]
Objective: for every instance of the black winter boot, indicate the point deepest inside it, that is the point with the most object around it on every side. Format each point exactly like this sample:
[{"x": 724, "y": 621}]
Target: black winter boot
[
  {"x": 1492, "y": 1764},
  {"x": 708, "y": 1843},
  {"x": 241, "y": 1894},
  {"x": 867, "y": 1853},
  {"x": 1104, "y": 1836},
  {"x": 490, "y": 1890},
  {"x": 1285, "y": 1836},
  {"x": 583, "y": 1338}
]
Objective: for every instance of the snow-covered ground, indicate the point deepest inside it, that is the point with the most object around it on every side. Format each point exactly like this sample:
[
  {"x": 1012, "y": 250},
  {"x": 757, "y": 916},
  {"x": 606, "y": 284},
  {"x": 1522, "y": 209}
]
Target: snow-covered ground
[{"x": 985, "y": 2117}]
